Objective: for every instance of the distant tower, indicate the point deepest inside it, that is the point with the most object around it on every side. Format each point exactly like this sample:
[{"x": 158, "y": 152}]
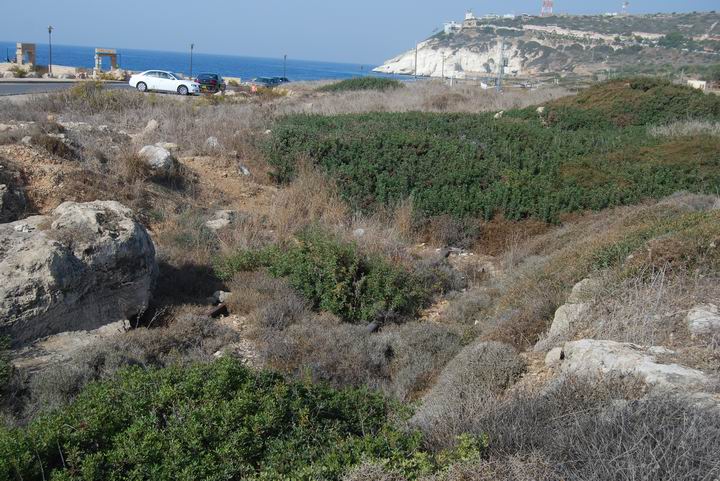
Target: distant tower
[
  {"x": 547, "y": 8},
  {"x": 625, "y": 8}
]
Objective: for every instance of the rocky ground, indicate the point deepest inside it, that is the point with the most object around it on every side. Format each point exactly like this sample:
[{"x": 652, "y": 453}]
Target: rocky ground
[{"x": 111, "y": 227}]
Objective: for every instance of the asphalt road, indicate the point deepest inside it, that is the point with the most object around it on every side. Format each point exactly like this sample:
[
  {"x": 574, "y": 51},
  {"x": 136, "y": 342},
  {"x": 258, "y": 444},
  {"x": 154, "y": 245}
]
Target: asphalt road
[{"x": 25, "y": 88}]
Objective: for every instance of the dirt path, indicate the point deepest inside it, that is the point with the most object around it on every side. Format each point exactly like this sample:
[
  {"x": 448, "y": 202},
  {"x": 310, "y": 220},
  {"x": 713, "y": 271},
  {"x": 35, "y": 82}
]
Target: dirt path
[{"x": 223, "y": 185}]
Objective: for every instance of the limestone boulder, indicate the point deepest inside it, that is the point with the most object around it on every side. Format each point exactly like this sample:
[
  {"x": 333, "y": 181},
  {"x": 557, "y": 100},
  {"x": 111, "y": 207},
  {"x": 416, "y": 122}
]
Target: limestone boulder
[
  {"x": 169, "y": 146},
  {"x": 151, "y": 126},
  {"x": 8, "y": 75},
  {"x": 212, "y": 143},
  {"x": 159, "y": 159},
  {"x": 704, "y": 320},
  {"x": 221, "y": 219},
  {"x": 82, "y": 266},
  {"x": 583, "y": 290},
  {"x": 589, "y": 357},
  {"x": 566, "y": 316}
]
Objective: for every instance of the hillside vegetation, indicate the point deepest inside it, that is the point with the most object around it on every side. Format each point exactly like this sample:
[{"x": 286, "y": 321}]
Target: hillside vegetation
[
  {"x": 568, "y": 47},
  {"x": 362, "y": 83},
  {"x": 397, "y": 285},
  {"x": 591, "y": 151},
  {"x": 216, "y": 421}
]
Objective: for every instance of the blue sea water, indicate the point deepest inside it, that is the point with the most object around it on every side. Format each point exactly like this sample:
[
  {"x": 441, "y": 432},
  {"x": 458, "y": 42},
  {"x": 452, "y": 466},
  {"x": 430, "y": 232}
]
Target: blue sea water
[{"x": 226, "y": 65}]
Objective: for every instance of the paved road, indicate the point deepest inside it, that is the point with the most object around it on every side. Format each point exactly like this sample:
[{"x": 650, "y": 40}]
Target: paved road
[{"x": 25, "y": 88}]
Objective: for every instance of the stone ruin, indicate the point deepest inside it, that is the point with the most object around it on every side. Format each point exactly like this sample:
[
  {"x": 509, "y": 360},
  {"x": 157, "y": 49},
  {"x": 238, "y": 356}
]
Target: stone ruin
[
  {"x": 101, "y": 53},
  {"x": 25, "y": 49}
]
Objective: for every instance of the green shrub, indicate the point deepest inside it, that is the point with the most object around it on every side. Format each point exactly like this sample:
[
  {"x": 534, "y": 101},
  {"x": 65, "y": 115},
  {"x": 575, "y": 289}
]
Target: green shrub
[
  {"x": 335, "y": 277},
  {"x": 362, "y": 83},
  {"x": 216, "y": 421},
  {"x": 686, "y": 241},
  {"x": 220, "y": 421},
  {"x": 474, "y": 165},
  {"x": 642, "y": 101}
]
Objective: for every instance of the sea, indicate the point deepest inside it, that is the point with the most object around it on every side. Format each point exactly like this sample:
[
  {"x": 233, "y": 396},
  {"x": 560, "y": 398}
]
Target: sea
[{"x": 226, "y": 65}]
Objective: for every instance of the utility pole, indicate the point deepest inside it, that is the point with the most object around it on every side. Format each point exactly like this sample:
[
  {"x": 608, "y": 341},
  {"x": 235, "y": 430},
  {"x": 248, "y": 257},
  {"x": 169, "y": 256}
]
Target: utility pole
[
  {"x": 285, "y": 66},
  {"x": 501, "y": 66},
  {"x": 416, "y": 57},
  {"x": 443, "y": 67},
  {"x": 192, "y": 47},
  {"x": 50, "y": 29}
]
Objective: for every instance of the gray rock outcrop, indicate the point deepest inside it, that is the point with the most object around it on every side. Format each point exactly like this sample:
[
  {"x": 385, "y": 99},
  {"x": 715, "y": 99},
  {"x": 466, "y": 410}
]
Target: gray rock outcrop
[
  {"x": 212, "y": 143},
  {"x": 565, "y": 316},
  {"x": 704, "y": 320},
  {"x": 151, "y": 126},
  {"x": 159, "y": 159},
  {"x": 221, "y": 219},
  {"x": 78, "y": 268},
  {"x": 589, "y": 357},
  {"x": 583, "y": 291}
]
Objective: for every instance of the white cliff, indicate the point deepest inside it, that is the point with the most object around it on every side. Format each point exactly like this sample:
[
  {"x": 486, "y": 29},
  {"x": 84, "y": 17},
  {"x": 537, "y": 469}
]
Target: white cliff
[{"x": 434, "y": 61}]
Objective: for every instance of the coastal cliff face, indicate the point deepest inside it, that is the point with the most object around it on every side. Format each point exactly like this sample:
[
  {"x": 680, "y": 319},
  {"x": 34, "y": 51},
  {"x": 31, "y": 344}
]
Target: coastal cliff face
[{"x": 581, "y": 45}]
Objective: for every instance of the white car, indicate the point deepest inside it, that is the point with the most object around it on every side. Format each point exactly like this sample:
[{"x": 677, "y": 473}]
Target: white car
[{"x": 162, "y": 81}]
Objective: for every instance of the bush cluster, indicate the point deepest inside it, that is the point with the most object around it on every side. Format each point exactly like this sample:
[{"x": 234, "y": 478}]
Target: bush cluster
[
  {"x": 579, "y": 154},
  {"x": 217, "y": 421},
  {"x": 336, "y": 277},
  {"x": 636, "y": 101},
  {"x": 362, "y": 83}
]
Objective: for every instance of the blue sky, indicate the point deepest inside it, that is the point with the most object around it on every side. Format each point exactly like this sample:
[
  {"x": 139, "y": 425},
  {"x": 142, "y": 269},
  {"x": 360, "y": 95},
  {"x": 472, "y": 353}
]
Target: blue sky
[{"x": 361, "y": 31}]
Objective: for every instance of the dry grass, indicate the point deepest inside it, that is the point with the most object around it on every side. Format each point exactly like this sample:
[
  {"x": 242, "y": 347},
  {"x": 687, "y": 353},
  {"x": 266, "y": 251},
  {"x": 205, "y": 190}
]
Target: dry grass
[
  {"x": 478, "y": 374},
  {"x": 649, "y": 309},
  {"x": 188, "y": 339},
  {"x": 310, "y": 199},
  {"x": 432, "y": 96},
  {"x": 686, "y": 128},
  {"x": 517, "y": 307}
]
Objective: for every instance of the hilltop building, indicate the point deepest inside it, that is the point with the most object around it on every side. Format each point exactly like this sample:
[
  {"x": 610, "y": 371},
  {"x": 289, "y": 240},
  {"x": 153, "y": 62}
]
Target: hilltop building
[{"x": 471, "y": 21}]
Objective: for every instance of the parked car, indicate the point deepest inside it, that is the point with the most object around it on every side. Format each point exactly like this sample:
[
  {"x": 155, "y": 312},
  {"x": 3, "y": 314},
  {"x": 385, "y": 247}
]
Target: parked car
[
  {"x": 211, "y": 82},
  {"x": 264, "y": 82},
  {"x": 162, "y": 81}
]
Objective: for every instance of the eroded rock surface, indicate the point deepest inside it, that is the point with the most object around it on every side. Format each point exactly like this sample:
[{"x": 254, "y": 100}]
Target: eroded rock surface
[
  {"x": 78, "y": 268},
  {"x": 704, "y": 320},
  {"x": 589, "y": 357}
]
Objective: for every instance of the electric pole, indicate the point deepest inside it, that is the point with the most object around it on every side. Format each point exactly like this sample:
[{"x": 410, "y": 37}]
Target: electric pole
[
  {"x": 285, "y": 66},
  {"x": 50, "y": 29},
  {"x": 501, "y": 66},
  {"x": 416, "y": 57},
  {"x": 192, "y": 47}
]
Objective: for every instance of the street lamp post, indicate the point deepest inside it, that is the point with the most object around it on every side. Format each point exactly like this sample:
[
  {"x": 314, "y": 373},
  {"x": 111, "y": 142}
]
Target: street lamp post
[
  {"x": 50, "y": 29},
  {"x": 192, "y": 46},
  {"x": 416, "y": 56}
]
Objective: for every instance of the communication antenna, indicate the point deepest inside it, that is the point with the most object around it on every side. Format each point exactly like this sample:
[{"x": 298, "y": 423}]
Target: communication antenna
[
  {"x": 547, "y": 8},
  {"x": 625, "y": 6}
]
